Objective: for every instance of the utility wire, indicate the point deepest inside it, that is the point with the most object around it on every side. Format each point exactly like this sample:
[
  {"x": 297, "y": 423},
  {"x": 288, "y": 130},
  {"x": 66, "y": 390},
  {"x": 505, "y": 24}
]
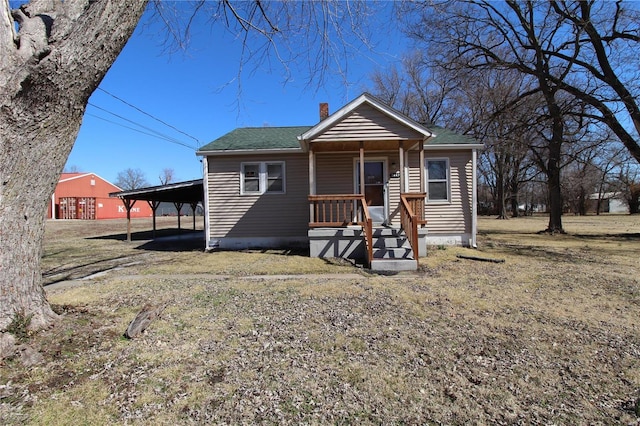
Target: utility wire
[
  {"x": 149, "y": 115},
  {"x": 155, "y": 132},
  {"x": 159, "y": 136}
]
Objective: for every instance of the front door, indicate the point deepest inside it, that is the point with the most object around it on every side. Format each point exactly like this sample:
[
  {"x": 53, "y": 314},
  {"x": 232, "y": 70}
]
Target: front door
[{"x": 374, "y": 189}]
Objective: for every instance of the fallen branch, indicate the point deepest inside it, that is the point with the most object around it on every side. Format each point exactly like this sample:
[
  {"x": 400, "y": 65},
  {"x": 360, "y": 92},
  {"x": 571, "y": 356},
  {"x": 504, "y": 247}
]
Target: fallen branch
[
  {"x": 480, "y": 259},
  {"x": 144, "y": 318}
]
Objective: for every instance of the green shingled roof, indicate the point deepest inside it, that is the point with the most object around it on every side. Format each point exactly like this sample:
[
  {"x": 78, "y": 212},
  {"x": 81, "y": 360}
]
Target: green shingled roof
[
  {"x": 248, "y": 138},
  {"x": 254, "y": 138},
  {"x": 448, "y": 137}
]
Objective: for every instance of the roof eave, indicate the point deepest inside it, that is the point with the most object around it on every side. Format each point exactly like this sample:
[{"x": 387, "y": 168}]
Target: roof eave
[
  {"x": 435, "y": 147},
  {"x": 224, "y": 152}
]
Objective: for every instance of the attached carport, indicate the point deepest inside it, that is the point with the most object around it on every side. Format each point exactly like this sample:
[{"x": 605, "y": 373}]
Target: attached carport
[{"x": 180, "y": 193}]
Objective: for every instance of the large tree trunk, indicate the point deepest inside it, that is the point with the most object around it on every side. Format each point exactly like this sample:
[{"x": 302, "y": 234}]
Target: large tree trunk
[
  {"x": 47, "y": 73},
  {"x": 553, "y": 180},
  {"x": 514, "y": 188},
  {"x": 501, "y": 193},
  {"x": 501, "y": 202},
  {"x": 634, "y": 198}
]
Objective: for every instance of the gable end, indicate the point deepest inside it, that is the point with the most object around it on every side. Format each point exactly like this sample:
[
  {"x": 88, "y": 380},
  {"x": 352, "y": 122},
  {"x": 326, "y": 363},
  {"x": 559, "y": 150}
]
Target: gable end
[{"x": 368, "y": 123}]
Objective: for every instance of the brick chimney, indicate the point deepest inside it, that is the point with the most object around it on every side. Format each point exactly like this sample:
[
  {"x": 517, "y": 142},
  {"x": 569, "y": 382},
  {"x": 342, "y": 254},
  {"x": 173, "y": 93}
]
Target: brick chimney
[{"x": 324, "y": 110}]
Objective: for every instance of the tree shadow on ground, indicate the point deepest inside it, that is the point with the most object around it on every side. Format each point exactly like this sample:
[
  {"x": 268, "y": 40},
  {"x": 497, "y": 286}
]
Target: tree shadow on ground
[
  {"x": 623, "y": 236},
  {"x": 503, "y": 232}
]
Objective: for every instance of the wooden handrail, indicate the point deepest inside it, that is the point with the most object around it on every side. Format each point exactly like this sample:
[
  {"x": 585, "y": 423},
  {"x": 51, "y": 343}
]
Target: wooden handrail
[
  {"x": 416, "y": 201},
  {"x": 367, "y": 226},
  {"x": 412, "y": 215},
  {"x": 335, "y": 210},
  {"x": 343, "y": 210}
]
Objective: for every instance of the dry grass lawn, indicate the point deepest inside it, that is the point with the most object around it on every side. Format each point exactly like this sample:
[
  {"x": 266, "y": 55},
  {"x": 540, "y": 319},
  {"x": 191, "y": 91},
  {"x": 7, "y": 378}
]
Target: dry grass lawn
[{"x": 550, "y": 336}]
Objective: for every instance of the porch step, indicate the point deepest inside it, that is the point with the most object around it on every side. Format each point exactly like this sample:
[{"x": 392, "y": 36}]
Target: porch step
[
  {"x": 388, "y": 238},
  {"x": 394, "y": 265},
  {"x": 391, "y": 251}
]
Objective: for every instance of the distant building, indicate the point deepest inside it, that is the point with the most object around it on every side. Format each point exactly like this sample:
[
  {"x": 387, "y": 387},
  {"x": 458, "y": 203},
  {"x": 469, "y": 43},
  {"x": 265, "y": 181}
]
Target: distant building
[
  {"x": 610, "y": 202},
  {"x": 86, "y": 196}
]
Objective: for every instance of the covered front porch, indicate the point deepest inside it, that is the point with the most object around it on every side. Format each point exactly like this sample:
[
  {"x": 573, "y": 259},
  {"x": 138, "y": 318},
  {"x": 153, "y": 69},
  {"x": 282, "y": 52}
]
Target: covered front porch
[
  {"x": 367, "y": 185},
  {"x": 366, "y": 202}
]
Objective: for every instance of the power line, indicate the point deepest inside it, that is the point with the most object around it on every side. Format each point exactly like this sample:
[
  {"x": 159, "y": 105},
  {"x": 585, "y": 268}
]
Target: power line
[
  {"x": 159, "y": 136},
  {"x": 149, "y": 115},
  {"x": 153, "y": 132}
]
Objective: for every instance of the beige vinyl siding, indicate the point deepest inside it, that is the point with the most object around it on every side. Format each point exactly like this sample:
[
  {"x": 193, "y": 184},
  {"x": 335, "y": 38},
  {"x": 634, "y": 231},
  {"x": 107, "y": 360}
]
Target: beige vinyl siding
[
  {"x": 334, "y": 173},
  {"x": 367, "y": 123},
  {"x": 267, "y": 215},
  {"x": 454, "y": 216},
  {"x": 414, "y": 171}
]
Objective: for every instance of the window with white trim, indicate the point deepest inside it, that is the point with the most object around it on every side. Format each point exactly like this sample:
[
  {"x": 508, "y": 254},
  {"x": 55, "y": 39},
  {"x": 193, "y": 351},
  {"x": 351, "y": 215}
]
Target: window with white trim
[
  {"x": 261, "y": 178},
  {"x": 438, "y": 180}
]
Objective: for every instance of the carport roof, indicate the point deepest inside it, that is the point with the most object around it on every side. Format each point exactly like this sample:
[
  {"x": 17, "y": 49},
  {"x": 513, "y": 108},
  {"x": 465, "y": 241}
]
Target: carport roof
[{"x": 187, "y": 192}]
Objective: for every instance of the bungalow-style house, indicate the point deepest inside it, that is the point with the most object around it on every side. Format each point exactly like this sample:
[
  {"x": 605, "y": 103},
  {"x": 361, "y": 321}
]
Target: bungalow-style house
[{"x": 365, "y": 182}]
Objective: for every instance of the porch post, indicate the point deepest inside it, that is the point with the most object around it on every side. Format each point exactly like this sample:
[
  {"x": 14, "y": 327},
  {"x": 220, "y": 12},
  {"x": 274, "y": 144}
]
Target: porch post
[
  {"x": 403, "y": 184},
  {"x": 312, "y": 181},
  {"x": 362, "y": 167},
  {"x": 422, "y": 182}
]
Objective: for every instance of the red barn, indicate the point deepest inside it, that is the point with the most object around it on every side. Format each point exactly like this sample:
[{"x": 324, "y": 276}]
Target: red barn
[{"x": 86, "y": 196}]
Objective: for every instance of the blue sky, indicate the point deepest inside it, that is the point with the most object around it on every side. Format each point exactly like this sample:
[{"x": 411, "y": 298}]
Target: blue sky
[{"x": 197, "y": 92}]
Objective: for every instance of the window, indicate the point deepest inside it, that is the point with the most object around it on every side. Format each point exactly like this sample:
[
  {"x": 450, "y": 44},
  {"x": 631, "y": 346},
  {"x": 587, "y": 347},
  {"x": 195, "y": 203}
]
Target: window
[
  {"x": 438, "y": 180},
  {"x": 251, "y": 174},
  {"x": 275, "y": 183},
  {"x": 263, "y": 177}
]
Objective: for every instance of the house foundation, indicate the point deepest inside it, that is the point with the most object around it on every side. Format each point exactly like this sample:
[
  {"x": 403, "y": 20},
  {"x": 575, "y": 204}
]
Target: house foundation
[{"x": 349, "y": 242}]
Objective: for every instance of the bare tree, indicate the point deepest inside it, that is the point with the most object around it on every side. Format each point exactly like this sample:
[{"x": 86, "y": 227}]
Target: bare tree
[
  {"x": 629, "y": 183},
  {"x": 490, "y": 110},
  {"x": 131, "y": 179},
  {"x": 166, "y": 176},
  {"x": 502, "y": 122},
  {"x": 417, "y": 90},
  {"x": 609, "y": 158},
  {"x": 602, "y": 41},
  {"x": 580, "y": 180},
  {"x": 49, "y": 67},
  {"x": 562, "y": 46},
  {"x": 53, "y": 55}
]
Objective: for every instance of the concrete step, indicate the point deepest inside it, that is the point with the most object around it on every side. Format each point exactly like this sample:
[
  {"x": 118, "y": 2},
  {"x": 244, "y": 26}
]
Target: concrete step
[
  {"x": 389, "y": 242},
  {"x": 394, "y": 265},
  {"x": 393, "y": 253},
  {"x": 387, "y": 232}
]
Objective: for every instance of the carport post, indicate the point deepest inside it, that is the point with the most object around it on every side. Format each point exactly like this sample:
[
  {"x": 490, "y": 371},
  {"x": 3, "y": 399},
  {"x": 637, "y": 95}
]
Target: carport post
[
  {"x": 179, "y": 208},
  {"x": 194, "y": 205},
  {"x": 128, "y": 204},
  {"x": 154, "y": 206}
]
